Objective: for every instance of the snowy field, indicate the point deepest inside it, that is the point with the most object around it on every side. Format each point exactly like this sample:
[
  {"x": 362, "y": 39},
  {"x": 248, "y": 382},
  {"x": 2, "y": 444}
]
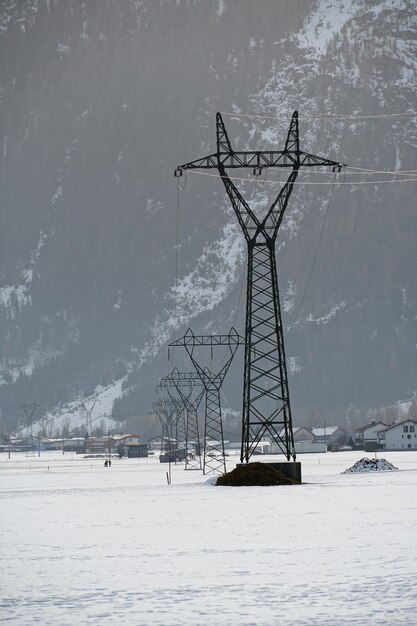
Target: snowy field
[{"x": 81, "y": 544}]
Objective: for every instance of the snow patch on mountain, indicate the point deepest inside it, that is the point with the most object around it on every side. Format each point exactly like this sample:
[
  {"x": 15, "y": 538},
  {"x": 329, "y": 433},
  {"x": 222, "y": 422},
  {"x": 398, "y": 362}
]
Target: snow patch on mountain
[
  {"x": 13, "y": 298},
  {"x": 216, "y": 271},
  {"x": 325, "y": 319},
  {"x": 36, "y": 357},
  {"x": 220, "y": 8},
  {"x": 289, "y": 297},
  {"x": 18, "y": 14},
  {"x": 323, "y": 24},
  {"x": 293, "y": 364},
  {"x": 100, "y": 402},
  {"x": 210, "y": 281}
]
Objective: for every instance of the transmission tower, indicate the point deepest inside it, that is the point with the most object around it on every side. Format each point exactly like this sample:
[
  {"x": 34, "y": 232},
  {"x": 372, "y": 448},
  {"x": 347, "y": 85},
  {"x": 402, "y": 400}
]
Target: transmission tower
[
  {"x": 213, "y": 452},
  {"x": 88, "y": 411},
  {"x": 166, "y": 409},
  {"x": 29, "y": 410},
  {"x": 266, "y": 402},
  {"x": 184, "y": 384}
]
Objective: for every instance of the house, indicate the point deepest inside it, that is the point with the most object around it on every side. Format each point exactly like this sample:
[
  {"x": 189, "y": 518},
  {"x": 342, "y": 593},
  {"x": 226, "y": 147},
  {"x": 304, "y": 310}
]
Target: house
[
  {"x": 100, "y": 445},
  {"x": 97, "y": 445},
  {"x": 31, "y": 442},
  {"x": 367, "y": 435},
  {"x": 125, "y": 440},
  {"x": 74, "y": 444},
  {"x": 330, "y": 435},
  {"x": 302, "y": 435},
  {"x": 303, "y": 442},
  {"x": 401, "y": 436},
  {"x": 130, "y": 445},
  {"x": 137, "y": 450}
]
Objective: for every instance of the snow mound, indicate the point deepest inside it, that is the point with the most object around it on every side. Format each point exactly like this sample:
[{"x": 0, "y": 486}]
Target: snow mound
[{"x": 370, "y": 465}]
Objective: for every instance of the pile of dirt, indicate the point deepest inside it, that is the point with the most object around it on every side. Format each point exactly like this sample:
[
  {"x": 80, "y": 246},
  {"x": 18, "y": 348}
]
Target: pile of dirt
[
  {"x": 370, "y": 465},
  {"x": 254, "y": 474}
]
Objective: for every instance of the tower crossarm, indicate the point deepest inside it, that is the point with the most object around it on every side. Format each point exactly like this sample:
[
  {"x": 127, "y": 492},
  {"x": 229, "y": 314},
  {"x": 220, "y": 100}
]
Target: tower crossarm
[
  {"x": 258, "y": 160},
  {"x": 190, "y": 342},
  {"x": 208, "y": 340},
  {"x": 290, "y": 158},
  {"x": 227, "y": 158},
  {"x": 312, "y": 160},
  {"x": 180, "y": 379},
  {"x": 164, "y": 406}
]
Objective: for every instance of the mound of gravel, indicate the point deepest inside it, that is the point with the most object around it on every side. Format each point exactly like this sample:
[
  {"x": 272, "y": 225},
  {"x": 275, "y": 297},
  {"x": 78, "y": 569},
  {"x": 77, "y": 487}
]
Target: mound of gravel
[
  {"x": 370, "y": 465},
  {"x": 254, "y": 474}
]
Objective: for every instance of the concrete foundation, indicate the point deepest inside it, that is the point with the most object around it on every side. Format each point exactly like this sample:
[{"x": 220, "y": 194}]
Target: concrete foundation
[{"x": 290, "y": 469}]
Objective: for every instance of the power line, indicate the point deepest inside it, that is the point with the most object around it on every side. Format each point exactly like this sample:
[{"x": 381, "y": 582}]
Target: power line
[
  {"x": 314, "y": 258},
  {"x": 325, "y": 116},
  {"x": 282, "y": 182},
  {"x": 357, "y": 171},
  {"x": 368, "y": 170}
]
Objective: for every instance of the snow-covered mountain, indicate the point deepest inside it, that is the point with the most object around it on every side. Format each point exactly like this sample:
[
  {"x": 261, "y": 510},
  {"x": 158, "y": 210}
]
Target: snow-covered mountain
[{"x": 99, "y": 101}]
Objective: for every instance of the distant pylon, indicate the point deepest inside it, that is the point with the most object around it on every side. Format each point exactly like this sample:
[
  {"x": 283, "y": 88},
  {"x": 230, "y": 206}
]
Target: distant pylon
[
  {"x": 184, "y": 384},
  {"x": 213, "y": 449},
  {"x": 166, "y": 410}
]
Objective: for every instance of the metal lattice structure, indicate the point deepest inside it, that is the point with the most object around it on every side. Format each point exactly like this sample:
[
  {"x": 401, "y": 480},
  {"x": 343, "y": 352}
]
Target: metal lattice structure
[
  {"x": 87, "y": 412},
  {"x": 29, "y": 410},
  {"x": 266, "y": 401},
  {"x": 167, "y": 411},
  {"x": 184, "y": 384},
  {"x": 213, "y": 449}
]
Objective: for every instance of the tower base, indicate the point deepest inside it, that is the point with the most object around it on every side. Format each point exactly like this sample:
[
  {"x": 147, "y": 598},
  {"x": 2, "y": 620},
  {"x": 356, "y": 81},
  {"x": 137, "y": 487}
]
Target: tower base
[{"x": 290, "y": 469}]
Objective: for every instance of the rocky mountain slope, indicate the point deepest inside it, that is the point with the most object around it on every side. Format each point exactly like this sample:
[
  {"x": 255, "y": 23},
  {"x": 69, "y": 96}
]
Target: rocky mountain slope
[{"x": 99, "y": 101}]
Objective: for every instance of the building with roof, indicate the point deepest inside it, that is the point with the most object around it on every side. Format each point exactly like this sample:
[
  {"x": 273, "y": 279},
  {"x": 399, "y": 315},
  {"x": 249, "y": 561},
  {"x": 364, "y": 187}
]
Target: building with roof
[
  {"x": 303, "y": 442},
  {"x": 400, "y": 436},
  {"x": 302, "y": 435},
  {"x": 367, "y": 435},
  {"x": 101, "y": 445},
  {"x": 330, "y": 435}
]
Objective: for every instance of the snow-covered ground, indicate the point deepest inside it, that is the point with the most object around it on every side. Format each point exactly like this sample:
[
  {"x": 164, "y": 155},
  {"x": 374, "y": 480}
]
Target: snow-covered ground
[{"x": 81, "y": 544}]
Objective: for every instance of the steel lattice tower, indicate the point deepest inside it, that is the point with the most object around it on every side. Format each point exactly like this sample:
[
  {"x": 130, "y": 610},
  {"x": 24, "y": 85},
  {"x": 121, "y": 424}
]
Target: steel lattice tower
[
  {"x": 29, "y": 411},
  {"x": 213, "y": 452},
  {"x": 88, "y": 411},
  {"x": 166, "y": 411},
  {"x": 266, "y": 401},
  {"x": 184, "y": 383}
]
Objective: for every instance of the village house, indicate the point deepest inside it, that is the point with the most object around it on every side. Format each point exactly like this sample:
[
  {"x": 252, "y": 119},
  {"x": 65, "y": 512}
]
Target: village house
[
  {"x": 330, "y": 435},
  {"x": 114, "y": 443},
  {"x": 131, "y": 445},
  {"x": 367, "y": 435},
  {"x": 401, "y": 436},
  {"x": 302, "y": 435},
  {"x": 303, "y": 442}
]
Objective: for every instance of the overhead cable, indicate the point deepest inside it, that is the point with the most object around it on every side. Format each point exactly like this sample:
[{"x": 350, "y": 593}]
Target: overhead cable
[
  {"x": 282, "y": 182},
  {"x": 325, "y": 116}
]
